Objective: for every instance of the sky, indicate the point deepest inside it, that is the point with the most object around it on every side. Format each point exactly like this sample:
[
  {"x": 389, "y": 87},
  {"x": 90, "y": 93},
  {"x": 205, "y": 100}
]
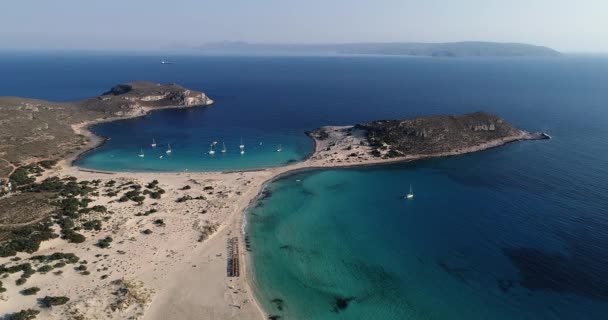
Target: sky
[{"x": 565, "y": 25}]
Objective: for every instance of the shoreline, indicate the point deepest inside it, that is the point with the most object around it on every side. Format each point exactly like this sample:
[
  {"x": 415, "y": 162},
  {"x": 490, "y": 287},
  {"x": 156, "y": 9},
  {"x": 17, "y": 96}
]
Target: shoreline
[
  {"x": 95, "y": 141},
  {"x": 207, "y": 289}
]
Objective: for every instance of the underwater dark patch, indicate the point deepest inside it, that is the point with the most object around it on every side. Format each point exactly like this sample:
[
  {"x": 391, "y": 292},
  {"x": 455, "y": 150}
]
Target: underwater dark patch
[
  {"x": 456, "y": 272},
  {"x": 340, "y": 303},
  {"x": 556, "y": 272}
]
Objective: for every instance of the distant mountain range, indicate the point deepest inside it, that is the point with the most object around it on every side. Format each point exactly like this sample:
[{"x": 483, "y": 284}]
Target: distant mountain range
[{"x": 448, "y": 49}]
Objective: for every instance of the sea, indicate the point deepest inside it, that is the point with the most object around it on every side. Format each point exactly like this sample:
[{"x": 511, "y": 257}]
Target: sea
[{"x": 516, "y": 232}]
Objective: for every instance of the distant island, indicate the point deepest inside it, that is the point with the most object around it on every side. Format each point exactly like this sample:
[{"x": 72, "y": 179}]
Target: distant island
[
  {"x": 134, "y": 244},
  {"x": 448, "y": 49}
]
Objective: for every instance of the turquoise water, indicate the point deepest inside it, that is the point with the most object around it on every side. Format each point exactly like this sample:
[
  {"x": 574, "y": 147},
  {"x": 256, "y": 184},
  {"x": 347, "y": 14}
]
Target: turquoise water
[
  {"x": 190, "y": 135},
  {"x": 517, "y": 232},
  {"x": 452, "y": 252}
]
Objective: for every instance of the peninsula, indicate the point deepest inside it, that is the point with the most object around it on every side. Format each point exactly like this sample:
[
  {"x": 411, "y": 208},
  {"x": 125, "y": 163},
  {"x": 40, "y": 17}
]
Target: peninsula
[{"x": 114, "y": 245}]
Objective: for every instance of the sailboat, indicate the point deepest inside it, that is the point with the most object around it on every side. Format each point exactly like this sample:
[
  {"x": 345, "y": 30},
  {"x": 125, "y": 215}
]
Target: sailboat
[
  {"x": 279, "y": 148},
  {"x": 211, "y": 151},
  {"x": 242, "y": 146},
  {"x": 223, "y": 147},
  {"x": 141, "y": 153},
  {"x": 168, "y": 149},
  {"x": 410, "y": 195},
  {"x": 153, "y": 145}
]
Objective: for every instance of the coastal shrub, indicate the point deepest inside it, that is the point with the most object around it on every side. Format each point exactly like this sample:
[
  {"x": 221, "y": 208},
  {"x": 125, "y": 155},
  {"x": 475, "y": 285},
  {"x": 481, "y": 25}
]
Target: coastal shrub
[
  {"x": 375, "y": 153},
  {"x": 155, "y": 195},
  {"x": 99, "y": 208},
  {"x": 392, "y": 153},
  {"x": 92, "y": 225},
  {"x": 27, "y": 238},
  {"x": 85, "y": 202},
  {"x": 186, "y": 187},
  {"x": 65, "y": 223},
  {"x": 81, "y": 267},
  {"x": 74, "y": 237},
  {"x": 45, "y": 269},
  {"x": 30, "y": 291},
  {"x": 47, "y": 164},
  {"x": 52, "y": 184},
  {"x": 184, "y": 198},
  {"x": 28, "y": 314},
  {"x": 59, "y": 265},
  {"x": 147, "y": 231},
  {"x": 139, "y": 199},
  {"x": 159, "y": 222},
  {"x": 123, "y": 199},
  {"x": 20, "y": 281},
  {"x": 152, "y": 184},
  {"x": 21, "y": 176},
  {"x": 105, "y": 242},
  {"x": 71, "y": 258},
  {"x": 50, "y": 301}
]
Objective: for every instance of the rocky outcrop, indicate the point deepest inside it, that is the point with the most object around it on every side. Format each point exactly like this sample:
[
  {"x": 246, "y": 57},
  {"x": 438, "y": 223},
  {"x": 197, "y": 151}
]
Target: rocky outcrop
[
  {"x": 130, "y": 98},
  {"x": 440, "y": 134}
]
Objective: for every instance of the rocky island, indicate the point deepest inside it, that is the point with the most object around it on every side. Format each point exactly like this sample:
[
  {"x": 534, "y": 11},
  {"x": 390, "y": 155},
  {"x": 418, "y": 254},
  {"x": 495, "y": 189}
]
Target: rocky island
[{"x": 76, "y": 244}]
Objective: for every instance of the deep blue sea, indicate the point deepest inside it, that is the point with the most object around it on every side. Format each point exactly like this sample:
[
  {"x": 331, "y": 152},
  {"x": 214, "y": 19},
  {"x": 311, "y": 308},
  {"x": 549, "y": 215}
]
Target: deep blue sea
[{"x": 517, "y": 232}]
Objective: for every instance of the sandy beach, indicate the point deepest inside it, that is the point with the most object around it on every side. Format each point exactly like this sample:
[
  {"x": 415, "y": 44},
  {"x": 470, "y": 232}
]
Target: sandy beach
[{"x": 175, "y": 268}]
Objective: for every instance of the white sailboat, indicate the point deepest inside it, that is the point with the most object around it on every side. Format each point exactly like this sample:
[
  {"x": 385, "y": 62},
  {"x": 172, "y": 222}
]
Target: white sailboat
[
  {"x": 242, "y": 146},
  {"x": 410, "y": 195},
  {"x": 168, "y": 149},
  {"x": 211, "y": 151},
  {"x": 223, "y": 147},
  {"x": 141, "y": 153},
  {"x": 279, "y": 148},
  {"x": 153, "y": 145}
]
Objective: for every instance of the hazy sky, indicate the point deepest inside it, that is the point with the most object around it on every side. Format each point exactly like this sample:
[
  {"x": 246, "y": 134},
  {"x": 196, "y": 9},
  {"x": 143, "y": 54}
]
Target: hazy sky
[{"x": 151, "y": 24}]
